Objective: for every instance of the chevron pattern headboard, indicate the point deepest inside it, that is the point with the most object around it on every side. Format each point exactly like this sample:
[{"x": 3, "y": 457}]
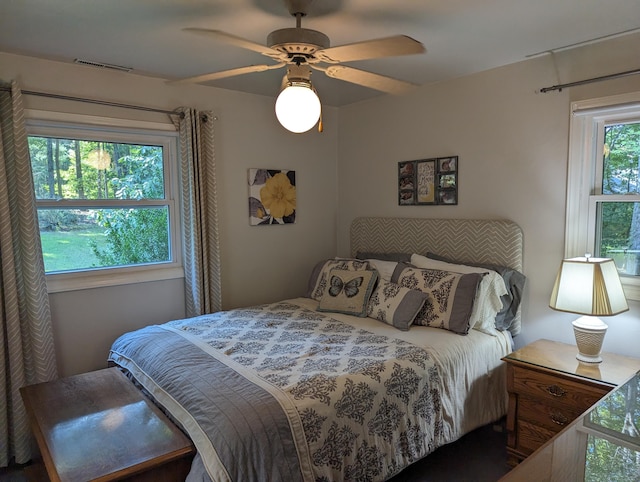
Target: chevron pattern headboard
[
  {"x": 471, "y": 240},
  {"x": 466, "y": 240}
]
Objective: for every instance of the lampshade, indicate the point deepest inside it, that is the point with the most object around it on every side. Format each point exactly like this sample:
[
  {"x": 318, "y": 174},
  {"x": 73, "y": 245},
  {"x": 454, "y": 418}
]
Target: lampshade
[
  {"x": 590, "y": 287},
  {"x": 298, "y": 107}
]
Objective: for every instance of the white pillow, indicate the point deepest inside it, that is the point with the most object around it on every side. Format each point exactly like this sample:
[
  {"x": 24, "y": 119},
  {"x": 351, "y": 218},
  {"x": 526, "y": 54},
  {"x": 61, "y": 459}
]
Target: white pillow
[
  {"x": 488, "y": 300},
  {"x": 385, "y": 268}
]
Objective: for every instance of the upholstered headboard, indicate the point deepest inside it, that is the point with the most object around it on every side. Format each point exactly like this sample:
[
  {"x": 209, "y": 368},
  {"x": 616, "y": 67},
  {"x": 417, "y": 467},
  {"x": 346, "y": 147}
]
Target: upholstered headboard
[
  {"x": 473, "y": 240},
  {"x": 487, "y": 241}
]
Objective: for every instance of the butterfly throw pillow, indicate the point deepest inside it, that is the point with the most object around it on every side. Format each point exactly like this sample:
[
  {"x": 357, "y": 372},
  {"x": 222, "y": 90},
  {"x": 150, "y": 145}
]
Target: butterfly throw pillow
[
  {"x": 348, "y": 291},
  {"x": 319, "y": 278}
]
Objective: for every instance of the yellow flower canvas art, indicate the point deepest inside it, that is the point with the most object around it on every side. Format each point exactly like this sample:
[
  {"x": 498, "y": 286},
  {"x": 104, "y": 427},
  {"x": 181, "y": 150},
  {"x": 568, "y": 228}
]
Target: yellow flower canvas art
[{"x": 272, "y": 196}]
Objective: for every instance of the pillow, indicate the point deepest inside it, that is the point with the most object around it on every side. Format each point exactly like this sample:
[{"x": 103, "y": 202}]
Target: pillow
[
  {"x": 385, "y": 269},
  {"x": 488, "y": 301},
  {"x": 450, "y": 297},
  {"x": 320, "y": 274},
  {"x": 395, "y": 304},
  {"x": 513, "y": 279},
  {"x": 397, "y": 257},
  {"x": 348, "y": 291}
]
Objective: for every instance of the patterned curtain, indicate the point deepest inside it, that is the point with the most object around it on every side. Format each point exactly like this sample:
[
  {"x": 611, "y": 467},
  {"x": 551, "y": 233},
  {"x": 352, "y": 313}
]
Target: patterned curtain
[
  {"x": 201, "y": 249},
  {"x": 26, "y": 342}
]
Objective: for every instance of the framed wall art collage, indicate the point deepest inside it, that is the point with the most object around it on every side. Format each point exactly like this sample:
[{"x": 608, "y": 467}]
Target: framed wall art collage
[{"x": 428, "y": 181}]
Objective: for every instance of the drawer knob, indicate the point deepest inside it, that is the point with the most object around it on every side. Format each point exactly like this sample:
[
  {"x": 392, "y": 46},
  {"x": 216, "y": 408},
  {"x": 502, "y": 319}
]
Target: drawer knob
[
  {"x": 556, "y": 391},
  {"x": 558, "y": 418}
]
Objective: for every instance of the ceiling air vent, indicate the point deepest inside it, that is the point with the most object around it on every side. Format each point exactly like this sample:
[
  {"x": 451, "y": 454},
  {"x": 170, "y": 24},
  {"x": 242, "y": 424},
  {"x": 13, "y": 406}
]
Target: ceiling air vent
[{"x": 103, "y": 65}]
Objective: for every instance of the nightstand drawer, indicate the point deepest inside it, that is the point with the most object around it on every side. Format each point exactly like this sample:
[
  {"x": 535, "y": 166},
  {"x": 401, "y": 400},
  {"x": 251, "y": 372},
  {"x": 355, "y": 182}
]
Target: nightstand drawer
[
  {"x": 556, "y": 390},
  {"x": 553, "y": 417},
  {"x": 530, "y": 437}
]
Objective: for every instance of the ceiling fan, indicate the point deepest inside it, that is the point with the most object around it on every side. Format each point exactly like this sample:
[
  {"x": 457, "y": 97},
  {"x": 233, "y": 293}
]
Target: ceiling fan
[{"x": 301, "y": 49}]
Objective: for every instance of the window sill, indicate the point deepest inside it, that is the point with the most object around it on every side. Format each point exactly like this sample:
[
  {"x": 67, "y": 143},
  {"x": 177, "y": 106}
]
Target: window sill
[{"x": 61, "y": 282}]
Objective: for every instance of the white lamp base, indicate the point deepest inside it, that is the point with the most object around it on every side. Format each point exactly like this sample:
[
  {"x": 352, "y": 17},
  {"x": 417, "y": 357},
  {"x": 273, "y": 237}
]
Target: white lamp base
[{"x": 589, "y": 332}]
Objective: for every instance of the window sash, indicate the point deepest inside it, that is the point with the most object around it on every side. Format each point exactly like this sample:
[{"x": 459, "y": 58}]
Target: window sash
[
  {"x": 630, "y": 283},
  {"x": 81, "y": 127},
  {"x": 594, "y": 209},
  {"x": 584, "y": 175}
]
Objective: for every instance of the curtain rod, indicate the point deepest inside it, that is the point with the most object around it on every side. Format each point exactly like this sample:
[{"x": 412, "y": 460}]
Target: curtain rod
[
  {"x": 589, "y": 81},
  {"x": 95, "y": 101}
]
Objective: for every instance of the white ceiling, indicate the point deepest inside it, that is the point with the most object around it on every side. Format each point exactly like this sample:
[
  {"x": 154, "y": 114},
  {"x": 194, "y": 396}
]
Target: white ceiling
[{"x": 461, "y": 36}]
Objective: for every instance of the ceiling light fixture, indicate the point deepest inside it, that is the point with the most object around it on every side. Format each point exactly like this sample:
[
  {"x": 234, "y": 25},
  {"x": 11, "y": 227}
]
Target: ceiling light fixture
[{"x": 298, "y": 105}]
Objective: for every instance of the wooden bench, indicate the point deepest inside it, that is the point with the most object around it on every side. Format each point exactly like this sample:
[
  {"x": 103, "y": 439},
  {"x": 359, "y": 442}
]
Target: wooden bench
[{"x": 98, "y": 426}]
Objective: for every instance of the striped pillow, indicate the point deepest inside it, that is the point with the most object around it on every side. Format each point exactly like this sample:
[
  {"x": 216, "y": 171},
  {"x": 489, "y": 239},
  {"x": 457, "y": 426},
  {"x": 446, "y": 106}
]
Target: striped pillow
[
  {"x": 450, "y": 296},
  {"x": 395, "y": 304}
]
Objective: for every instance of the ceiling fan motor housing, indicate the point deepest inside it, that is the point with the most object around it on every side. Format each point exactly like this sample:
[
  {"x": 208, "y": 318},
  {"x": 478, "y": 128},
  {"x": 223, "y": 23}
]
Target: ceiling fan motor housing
[
  {"x": 298, "y": 41},
  {"x": 299, "y": 74}
]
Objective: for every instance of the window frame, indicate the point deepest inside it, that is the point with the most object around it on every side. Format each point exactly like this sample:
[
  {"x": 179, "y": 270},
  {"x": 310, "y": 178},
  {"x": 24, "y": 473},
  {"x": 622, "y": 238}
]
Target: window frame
[
  {"x": 70, "y": 126},
  {"x": 584, "y": 173}
]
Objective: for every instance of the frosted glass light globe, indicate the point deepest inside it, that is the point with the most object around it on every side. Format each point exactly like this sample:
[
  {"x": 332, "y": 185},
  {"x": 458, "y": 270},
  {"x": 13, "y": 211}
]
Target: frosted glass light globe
[{"x": 298, "y": 108}]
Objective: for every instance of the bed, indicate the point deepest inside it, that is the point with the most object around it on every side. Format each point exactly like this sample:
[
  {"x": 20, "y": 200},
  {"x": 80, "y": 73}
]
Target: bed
[{"x": 316, "y": 389}]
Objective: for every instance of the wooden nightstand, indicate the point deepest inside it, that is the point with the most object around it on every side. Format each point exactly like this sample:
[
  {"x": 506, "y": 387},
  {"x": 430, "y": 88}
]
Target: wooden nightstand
[
  {"x": 549, "y": 388},
  {"x": 99, "y": 426}
]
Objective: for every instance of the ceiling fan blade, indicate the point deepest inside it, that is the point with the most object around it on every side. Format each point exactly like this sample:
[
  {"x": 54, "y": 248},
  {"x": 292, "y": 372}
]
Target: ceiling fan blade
[
  {"x": 368, "y": 79},
  {"x": 372, "y": 49},
  {"x": 199, "y": 79},
  {"x": 234, "y": 40}
]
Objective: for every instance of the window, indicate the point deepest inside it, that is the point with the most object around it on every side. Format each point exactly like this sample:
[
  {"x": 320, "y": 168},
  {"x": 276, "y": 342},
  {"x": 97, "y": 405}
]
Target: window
[
  {"x": 603, "y": 193},
  {"x": 105, "y": 203}
]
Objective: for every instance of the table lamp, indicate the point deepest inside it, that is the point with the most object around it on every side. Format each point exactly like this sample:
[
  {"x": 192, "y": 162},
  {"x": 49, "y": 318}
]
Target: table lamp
[{"x": 590, "y": 287}]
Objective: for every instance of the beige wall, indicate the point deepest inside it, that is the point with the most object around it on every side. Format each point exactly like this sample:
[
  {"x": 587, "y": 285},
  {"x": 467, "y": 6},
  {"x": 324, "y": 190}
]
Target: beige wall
[
  {"x": 512, "y": 142},
  {"x": 259, "y": 263}
]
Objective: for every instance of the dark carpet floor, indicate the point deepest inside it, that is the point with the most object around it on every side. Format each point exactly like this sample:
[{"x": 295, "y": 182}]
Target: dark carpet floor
[{"x": 479, "y": 456}]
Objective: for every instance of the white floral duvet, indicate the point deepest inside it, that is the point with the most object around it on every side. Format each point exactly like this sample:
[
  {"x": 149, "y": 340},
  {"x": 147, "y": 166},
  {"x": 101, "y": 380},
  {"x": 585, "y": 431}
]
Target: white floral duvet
[{"x": 313, "y": 396}]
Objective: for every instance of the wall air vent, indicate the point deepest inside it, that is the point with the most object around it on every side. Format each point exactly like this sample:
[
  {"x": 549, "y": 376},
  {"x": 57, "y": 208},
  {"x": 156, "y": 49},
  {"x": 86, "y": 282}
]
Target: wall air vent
[{"x": 103, "y": 65}]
